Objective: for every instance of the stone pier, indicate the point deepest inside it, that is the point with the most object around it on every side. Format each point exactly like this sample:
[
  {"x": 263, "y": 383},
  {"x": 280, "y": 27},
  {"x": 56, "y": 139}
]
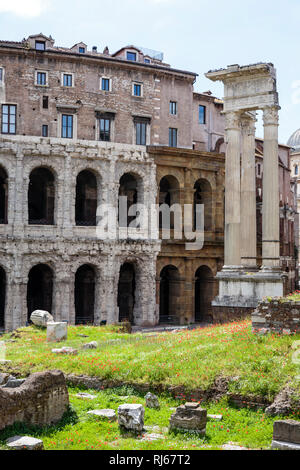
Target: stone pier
[{"x": 242, "y": 283}]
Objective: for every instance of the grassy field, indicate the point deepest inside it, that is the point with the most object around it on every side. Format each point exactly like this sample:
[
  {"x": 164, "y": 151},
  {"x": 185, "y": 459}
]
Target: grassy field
[
  {"x": 261, "y": 365},
  {"x": 79, "y": 431}
]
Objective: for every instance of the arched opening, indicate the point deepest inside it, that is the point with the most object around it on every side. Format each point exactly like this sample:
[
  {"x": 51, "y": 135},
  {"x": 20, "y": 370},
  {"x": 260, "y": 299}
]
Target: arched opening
[
  {"x": 86, "y": 199},
  {"x": 41, "y": 197},
  {"x": 2, "y": 297},
  {"x": 126, "y": 292},
  {"x": 169, "y": 195},
  {"x": 220, "y": 146},
  {"x": 169, "y": 295},
  {"x": 203, "y": 195},
  {"x": 3, "y": 196},
  {"x": 129, "y": 189},
  {"x": 39, "y": 289},
  {"x": 204, "y": 293},
  {"x": 85, "y": 295}
]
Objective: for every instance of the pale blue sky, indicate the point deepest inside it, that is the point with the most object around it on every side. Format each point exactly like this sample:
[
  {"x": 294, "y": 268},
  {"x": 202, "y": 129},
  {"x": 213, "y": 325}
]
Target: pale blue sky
[{"x": 194, "y": 35}]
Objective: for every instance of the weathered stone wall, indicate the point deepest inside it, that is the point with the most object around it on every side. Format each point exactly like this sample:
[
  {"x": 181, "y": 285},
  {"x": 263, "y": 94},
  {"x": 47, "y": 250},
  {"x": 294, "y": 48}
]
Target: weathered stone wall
[
  {"x": 277, "y": 316},
  {"x": 64, "y": 247},
  {"x": 40, "y": 401}
]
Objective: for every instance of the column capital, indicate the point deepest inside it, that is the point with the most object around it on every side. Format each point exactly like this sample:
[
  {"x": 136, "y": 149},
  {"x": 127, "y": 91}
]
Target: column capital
[
  {"x": 232, "y": 120},
  {"x": 248, "y": 123},
  {"x": 270, "y": 116}
]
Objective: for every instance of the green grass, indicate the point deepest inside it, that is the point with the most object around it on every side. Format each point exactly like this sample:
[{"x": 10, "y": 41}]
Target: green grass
[
  {"x": 261, "y": 365},
  {"x": 79, "y": 431}
]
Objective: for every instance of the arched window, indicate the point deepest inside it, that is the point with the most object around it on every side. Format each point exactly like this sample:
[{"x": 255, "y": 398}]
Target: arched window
[
  {"x": 169, "y": 195},
  {"x": 129, "y": 189},
  {"x": 85, "y": 295},
  {"x": 86, "y": 198},
  {"x": 3, "y": 196},
  {"x": 169, "y": 294},
  {"x": 204, "y": 293},
  {"x": 219, "y": 147},
  {"x": 126, "y": 292},
  {"x": 2, "y": 297},
  {"x": 203, "y": 195},
  {"x": 41, "y": 197},
  {"x": 39, "y": 289}
]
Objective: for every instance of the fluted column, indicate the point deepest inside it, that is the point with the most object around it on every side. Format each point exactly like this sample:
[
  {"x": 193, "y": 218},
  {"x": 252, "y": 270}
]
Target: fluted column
[
  {"x": 248, "y": 192},
  {"x": 232, "y": 191},
  {"x": 271, "y": 243}
]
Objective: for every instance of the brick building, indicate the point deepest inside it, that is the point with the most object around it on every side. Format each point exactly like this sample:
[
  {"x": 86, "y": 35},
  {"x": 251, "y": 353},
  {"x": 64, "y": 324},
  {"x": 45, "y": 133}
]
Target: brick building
[{"x": 78, "y": 129}]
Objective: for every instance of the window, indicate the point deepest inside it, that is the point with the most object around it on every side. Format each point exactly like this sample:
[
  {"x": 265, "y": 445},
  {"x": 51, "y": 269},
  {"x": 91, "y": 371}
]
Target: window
[
  {"x": 141, "y": 133},
  {"x": 173, "y": 107},
  {"x": 40, "y": 45},
  {"x": 41, "y": 78},
  {"x": 44, "y": 130},
  {"x": 137, "y": 89},
  {"x": 147, "y": 61},
  {"x": 105, "y": 84},
  {"x": 131, "y": 56},
  {"x": 104, "y": 125},
  {"x": 172, "y": 137},
  {"x": 67, "y": 126},
  {"x": 67, "y": 79},
  {"x": 82, "y": 50},
  {"x": 45, "y": 102},
  {"x": 296, "y": 170},
  {"x": 9, "y": 112},
  {"x": 1, "y": 74},
  {"x": 202, "y": 114}
]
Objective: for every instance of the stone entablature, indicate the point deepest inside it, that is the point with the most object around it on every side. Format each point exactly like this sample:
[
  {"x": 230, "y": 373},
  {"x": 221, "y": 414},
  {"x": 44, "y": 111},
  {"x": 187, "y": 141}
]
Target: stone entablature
[{"x": 277, "y": 316}]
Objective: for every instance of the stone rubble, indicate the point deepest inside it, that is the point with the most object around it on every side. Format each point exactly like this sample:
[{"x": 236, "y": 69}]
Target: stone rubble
[
  {"x": 86, "y": 396},
  {"x": 57, "y": 331},
  {"x": 189, "y": 417},
  {"x": 110, "y": 415},
  {"x": 152, "y": 401},
  {"x": 65, "y": 350},
  {"x": 41, "y": 318},
  {"x": 92, "y": 345},
  {"x": 131, "y": 417},
  {"x": 24, "y": 443}
]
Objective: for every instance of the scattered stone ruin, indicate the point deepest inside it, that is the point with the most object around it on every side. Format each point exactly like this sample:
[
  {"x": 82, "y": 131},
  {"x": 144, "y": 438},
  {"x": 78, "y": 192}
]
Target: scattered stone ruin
[
  {"x": 286, "y": 435},
  {"x": 276, "y": 316},
  {"x": 41, "y": 400},
  {"x": 189, "y": 417}
]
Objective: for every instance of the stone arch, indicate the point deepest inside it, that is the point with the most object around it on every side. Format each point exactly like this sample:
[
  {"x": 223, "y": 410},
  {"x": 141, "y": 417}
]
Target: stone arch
[
  {"x": 85, "y": 282},
  {"x": 2, "y": 297},
  {"x": 169, "y": 194},
  {"x": 3, "y": 195},
  {"x": 169, "y": 294},
  {"x": 204, "y": 293},
  {"x": 41, "y": 196},
  {"x": 219, "y": 147},
  {"x": 203, "y": 195},
  {"x": 40, "y": 288},
  {"x": 127, "y": 291},
  {"x": 130, "y": 186},
  {"x": 86, "y": 198}
]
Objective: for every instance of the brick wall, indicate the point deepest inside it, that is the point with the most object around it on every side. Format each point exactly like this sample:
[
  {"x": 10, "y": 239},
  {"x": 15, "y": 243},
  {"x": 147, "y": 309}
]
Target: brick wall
[{"x": 277, "y": 316}]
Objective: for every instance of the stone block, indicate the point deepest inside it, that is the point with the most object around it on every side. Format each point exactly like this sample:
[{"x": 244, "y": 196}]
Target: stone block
[
  {"x": 92, "y": 345},
  {"x": 66, "y": 350},
  {"x": 287, "y": 431},
  {"x": 280, "y": 445},
  {"x": 41, "y": 318},
  {"x": 109, "y": 415},
  {"x": 189, "y": 417},
  {"x": 24, "y": 443},
  {"x": 57, "y": 331},
  {"x": 131, "y": 417},
  {"x": 152, "y": 401}
]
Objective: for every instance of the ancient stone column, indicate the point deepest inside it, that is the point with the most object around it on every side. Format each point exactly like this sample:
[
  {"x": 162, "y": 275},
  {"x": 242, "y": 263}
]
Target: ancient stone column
[
  {"x": 232, "y": 190},
  {"x": 248, "y": 193},
  {"x": 271, "y": 243}
]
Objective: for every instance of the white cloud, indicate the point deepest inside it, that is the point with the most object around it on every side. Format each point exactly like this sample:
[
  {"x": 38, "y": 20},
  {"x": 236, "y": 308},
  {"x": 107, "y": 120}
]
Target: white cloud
[{"x": 27, "y": 8}]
